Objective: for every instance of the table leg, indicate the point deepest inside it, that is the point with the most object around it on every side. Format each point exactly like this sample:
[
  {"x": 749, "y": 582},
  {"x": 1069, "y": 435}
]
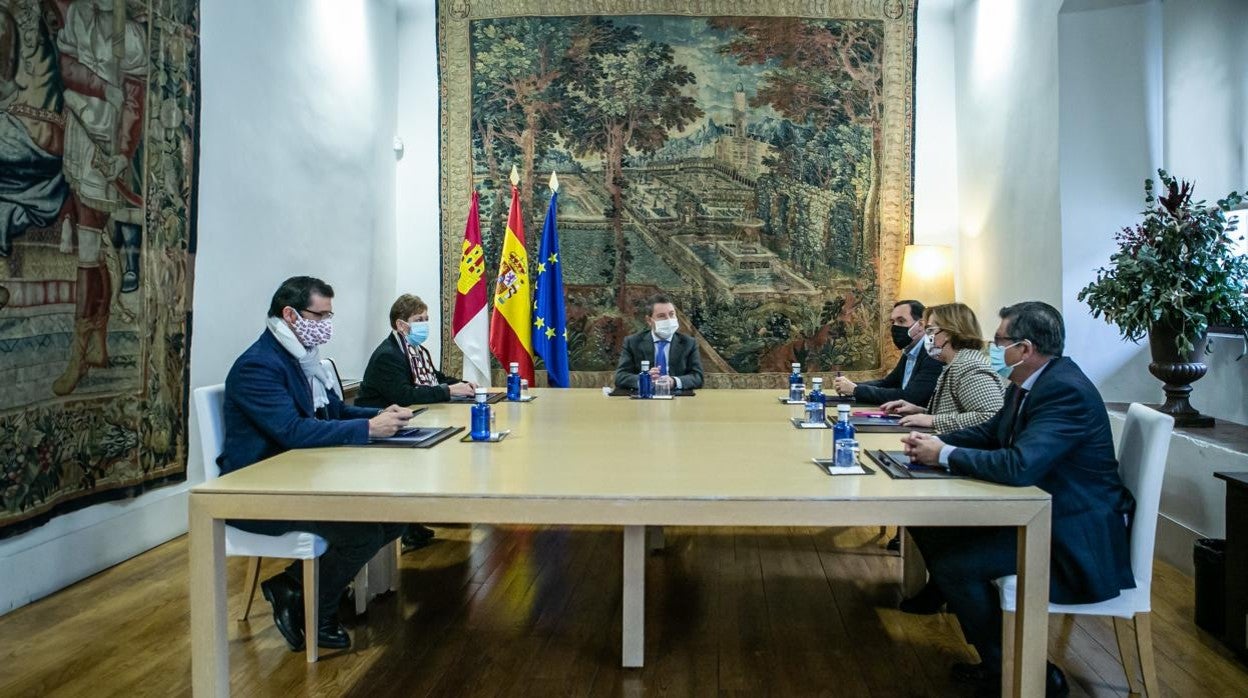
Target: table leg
[
  {"x": 1031, "y": 629},
  {"x": 913, "y": 568},
  {"x": 210, "y": 658},
  {"x": 634, "y": 596}
]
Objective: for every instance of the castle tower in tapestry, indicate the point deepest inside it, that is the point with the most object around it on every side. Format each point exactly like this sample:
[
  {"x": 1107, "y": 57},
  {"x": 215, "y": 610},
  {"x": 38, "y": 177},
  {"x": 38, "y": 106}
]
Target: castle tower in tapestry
[
  {"x": 738, "y": 112},
  {"x": 736, "y": 149}
]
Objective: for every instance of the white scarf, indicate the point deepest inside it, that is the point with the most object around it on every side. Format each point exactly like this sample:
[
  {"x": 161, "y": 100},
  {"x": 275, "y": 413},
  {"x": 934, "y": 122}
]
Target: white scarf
[{"x": 318, "y": 375}]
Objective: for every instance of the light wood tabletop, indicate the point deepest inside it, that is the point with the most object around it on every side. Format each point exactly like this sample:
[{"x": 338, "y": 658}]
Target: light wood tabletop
[{"x": 577, "y": 457}]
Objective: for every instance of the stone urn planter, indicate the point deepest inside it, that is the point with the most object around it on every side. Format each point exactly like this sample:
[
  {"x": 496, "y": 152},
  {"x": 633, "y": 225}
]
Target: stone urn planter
[{"x": 1177, "y": 370}]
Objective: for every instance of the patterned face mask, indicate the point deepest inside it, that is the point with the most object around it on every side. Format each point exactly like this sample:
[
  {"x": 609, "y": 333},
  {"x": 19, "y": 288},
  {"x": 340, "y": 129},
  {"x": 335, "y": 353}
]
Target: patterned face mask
[{"x": 312, "y": 333}]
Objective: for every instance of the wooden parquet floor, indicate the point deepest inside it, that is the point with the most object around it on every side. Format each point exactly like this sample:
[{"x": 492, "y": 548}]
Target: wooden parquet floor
[{"x": 535, "y": 611}]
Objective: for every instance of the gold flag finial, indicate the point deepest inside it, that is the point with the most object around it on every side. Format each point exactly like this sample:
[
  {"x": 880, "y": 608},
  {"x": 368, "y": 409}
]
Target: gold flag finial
[
  {"x": 515, "y": 176},
  {"x": 554, "y": 181}
]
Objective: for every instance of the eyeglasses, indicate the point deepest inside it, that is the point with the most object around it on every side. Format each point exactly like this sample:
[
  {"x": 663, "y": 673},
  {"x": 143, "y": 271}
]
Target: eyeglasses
[
  {"x": 1002, "y": 341},
  {"x": 326, "y": 315},
  {"x": 932, "y": 330}
]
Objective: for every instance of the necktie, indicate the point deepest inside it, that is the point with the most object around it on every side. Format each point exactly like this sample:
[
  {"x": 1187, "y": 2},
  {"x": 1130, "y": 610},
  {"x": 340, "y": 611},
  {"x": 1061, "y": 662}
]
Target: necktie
[
  {"x": 1015, "y": 410},
  {"x": 660, "y": 356}
]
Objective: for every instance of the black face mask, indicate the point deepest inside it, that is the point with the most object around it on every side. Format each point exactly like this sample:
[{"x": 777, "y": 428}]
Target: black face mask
[{"x": 901, "y": 336}]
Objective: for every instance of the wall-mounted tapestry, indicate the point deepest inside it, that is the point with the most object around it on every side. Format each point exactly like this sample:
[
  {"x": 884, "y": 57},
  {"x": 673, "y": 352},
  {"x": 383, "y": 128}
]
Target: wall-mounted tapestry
[
  {"x": 750, "y": 158},
  {"x": 98, "y": 103}
]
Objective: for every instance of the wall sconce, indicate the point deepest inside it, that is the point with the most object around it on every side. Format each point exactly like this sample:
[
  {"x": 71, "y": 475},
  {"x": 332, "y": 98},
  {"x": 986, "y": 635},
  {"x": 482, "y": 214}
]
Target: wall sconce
[{"x": 927, "y": 274}]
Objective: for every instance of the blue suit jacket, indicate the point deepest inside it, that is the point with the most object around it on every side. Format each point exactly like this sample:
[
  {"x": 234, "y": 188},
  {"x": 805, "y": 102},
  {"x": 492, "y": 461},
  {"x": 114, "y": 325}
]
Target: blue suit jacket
[
  {"x": 1063, "y": 445},
  {"x": 268, "y": 409}
]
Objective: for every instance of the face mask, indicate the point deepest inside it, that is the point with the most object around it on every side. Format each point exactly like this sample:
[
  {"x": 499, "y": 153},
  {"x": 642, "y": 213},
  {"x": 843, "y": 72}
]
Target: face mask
[
  {"x": 996, "y": 356},
  {"x": 666, "y": 328},
  {"x": 311, "y": 333},
  {"x": 929, "y": 345},
  {"x": 901, "y": 336},
  {"x": 417, "y": 333}
]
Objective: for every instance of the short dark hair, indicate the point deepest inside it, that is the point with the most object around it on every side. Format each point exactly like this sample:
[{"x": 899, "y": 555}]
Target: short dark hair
[
  {"x": 1039, "y": 323},
  {"x": 406, "y": 306},
  {"x": 655, "y": 300},
  {"x": 296, "y": 292},
  {"x": 916, "y": 308}
]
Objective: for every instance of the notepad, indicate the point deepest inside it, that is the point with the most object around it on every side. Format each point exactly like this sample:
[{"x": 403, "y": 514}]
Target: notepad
[
  {"x": 803, "y": 424},
  {"x": 416, "y": 437}
]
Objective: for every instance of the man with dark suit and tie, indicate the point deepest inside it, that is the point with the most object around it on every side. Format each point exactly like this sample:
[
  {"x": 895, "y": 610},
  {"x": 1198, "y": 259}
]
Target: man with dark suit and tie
[
  {"x": 669, "y": 352},
  {"x": 279, "y": 397},
  {"x": 913, "y": 379},
  {"x": 1053, "y": 432}
]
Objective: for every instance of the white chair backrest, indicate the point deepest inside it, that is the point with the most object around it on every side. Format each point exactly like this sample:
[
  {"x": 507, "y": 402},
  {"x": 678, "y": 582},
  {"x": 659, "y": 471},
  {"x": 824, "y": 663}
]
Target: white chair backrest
[
  {"x": 210, "y": 415},
  {"x": 333, "y": 371},
  {"x": 1142, "y": 452}
]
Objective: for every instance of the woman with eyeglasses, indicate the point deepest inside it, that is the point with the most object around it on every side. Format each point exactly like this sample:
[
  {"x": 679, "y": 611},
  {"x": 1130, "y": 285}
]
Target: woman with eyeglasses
[{"x": 968, "y": 392}]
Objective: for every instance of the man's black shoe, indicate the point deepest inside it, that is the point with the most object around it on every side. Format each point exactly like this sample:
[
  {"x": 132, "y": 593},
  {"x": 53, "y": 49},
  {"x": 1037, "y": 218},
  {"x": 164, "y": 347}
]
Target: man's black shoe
[
  {"x": 928, "y": 601},
  {"x": 287, "y": 600},
  {"x": 332, "y": 635},
  {"x": 894, "y": 543},
  {"x": 416, "y": 537},
  {"x": 1055, "y": 685},
  {"x": 988, "y": 682}
]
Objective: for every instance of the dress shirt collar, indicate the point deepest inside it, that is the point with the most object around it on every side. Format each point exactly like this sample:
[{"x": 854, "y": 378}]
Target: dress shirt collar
[{"x": 1031, "y": 380}]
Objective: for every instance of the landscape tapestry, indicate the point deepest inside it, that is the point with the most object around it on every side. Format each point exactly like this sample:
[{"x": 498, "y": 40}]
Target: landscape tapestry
[
  {"x": 98, "y": 107},
  {"x": 750, "y": 159}
]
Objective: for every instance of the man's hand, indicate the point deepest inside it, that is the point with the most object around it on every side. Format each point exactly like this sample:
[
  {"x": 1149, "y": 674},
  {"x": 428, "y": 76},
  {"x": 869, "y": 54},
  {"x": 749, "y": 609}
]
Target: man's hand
[
  {"x": 922, "y": 448},
  {"x": 388, "y": 421},
  {"x": 900, "y": 407},
  {"x": 654, "y": 372},
  {"x": 843, "y": 385},
  {"x": 919, "y": 421},
  {"x": 462, "y": 389}
]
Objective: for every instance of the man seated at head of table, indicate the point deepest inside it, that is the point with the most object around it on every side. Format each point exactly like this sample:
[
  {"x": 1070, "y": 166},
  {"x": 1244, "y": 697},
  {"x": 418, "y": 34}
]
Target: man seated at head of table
[
  {"x": 671, "y": 354},
  {"x": 1053, "y": 433},
  {"x": 279, "y": 397},
  {"x": 968, "y": 391},
  {"x": 401, "y": 372},
  {"x": 913, "y": 379}
]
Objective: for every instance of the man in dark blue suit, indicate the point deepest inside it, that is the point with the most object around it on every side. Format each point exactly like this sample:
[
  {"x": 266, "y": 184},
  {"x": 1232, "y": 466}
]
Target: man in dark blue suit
[
  {"x": 1053, "y": 433},
  {"x": 279, "y": 397}
]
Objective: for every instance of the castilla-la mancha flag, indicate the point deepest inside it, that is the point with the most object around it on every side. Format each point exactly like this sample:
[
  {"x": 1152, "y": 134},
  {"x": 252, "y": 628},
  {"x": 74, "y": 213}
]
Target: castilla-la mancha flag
[
  {"x": 511, "y": 326},
  {"x": 470, "y": 325}
]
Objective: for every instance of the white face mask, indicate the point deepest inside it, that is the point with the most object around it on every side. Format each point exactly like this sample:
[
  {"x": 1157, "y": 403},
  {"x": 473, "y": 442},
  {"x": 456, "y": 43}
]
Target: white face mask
[
  {"x": 666, "y": 328},
  {"x": 929, "y": 345}
]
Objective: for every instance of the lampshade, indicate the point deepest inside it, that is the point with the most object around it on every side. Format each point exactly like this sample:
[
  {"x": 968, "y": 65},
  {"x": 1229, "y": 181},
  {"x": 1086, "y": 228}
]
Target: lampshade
[{"x": 927, "y": 274}]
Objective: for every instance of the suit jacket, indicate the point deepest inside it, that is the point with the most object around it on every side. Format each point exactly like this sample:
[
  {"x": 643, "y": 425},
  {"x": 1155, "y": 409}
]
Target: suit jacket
[
  {"x": 968, "y": 392},
  {"x": 388, "y": 379},
  {"x": 918, "y": 391},
  {"x": 1062, "y": 444},
  {"x": 268, "y": 409},
  {"x": 684, "y": 361}
]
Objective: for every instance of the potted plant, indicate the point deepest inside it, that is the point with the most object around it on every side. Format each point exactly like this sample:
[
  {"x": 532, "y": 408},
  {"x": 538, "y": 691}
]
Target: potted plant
[{"x": 1174, "y": 275}]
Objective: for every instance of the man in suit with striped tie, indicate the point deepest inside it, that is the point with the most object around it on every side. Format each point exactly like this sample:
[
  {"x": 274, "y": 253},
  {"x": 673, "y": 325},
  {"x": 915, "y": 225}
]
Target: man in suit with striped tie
[{"x": 1052, "y": 432}]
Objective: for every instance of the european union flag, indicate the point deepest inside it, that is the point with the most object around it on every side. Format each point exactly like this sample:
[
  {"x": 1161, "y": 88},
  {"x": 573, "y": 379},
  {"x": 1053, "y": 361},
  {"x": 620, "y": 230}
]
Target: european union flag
[{"x": 550, "y": 319}]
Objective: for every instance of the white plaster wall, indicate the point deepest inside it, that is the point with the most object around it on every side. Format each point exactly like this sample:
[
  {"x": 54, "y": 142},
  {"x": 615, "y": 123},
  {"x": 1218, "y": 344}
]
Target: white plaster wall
[
  {"x": 296, "y": 176},
  {"x": 1170, "y": 92},
  {"x": 1007, "y": 157},
  {"x": 935, "y": 128},
  {"x": 1110, "y": 117},
  {"x": 419, "y": 256}
]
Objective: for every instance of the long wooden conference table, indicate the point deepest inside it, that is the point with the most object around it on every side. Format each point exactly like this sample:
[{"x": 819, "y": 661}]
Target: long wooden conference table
[{"x": 575, "y": 457}]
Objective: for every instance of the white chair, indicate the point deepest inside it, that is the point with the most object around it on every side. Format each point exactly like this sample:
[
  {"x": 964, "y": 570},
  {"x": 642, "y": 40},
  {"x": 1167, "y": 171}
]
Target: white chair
[
  {"x": 1142, "y": 451},
  {"x": 297, "y": 545}
]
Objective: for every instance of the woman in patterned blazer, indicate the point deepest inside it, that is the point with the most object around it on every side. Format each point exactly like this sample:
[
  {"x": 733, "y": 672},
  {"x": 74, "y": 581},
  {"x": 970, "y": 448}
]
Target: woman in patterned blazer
[{"x": 968, "y": 391}]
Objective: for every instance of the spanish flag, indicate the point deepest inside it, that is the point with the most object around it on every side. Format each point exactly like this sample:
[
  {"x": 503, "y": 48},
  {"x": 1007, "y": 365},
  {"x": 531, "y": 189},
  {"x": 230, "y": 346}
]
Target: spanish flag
[
  {"x": 469, "y": 323},
  {"x": 511, "y": 326}
]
